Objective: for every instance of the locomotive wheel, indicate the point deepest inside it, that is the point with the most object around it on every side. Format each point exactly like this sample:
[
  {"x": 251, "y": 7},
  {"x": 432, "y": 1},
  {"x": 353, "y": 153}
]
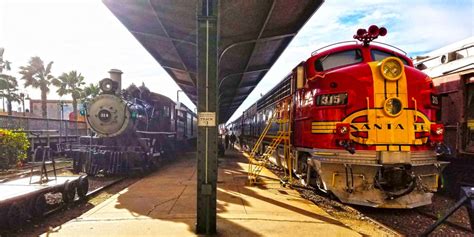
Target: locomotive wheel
[
  {"x": 16, "y": 216},
  {"x": 82, "y": 187},
  {"x": 302, "y": 165},
  {"x": 39, "y": 207},
  {"x": 69, "y": 192}
]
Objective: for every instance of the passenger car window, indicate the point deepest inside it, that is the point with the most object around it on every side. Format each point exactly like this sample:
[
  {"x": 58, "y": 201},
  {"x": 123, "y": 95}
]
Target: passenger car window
[
  {"x": 378, "y": 55},
  {"x": 338, "y": 59}
]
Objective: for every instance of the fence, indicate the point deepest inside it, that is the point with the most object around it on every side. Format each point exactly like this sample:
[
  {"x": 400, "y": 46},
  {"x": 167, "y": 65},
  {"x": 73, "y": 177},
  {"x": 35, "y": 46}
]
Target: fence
[{"x": 65, "y": 128}]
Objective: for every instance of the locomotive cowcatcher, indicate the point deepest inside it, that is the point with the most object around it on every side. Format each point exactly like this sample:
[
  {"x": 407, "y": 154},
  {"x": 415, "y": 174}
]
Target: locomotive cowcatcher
[{"x": 363, "y": 124}]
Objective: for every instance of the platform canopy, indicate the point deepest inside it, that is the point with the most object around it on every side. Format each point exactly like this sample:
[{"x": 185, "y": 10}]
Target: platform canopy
[{"x": 252, "y": 35}]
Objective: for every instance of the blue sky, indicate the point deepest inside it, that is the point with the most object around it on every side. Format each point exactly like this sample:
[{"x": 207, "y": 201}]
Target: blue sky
[
  {"x": 84, "y": 35},
  {"x": 415, "y": 26}
]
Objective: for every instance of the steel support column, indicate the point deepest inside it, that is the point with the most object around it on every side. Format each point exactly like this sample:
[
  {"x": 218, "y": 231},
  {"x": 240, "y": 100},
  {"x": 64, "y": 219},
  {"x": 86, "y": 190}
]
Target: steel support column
[{"x": 207, "y": 41}]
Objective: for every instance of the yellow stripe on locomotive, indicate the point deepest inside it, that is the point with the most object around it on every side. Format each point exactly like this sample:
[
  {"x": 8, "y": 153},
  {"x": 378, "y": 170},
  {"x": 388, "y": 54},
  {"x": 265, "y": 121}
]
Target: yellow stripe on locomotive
[{"x": 393, "y": 121}]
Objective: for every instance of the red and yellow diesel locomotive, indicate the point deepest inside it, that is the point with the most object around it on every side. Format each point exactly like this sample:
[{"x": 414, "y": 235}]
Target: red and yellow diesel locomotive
[{"x": 363, "y": 124}]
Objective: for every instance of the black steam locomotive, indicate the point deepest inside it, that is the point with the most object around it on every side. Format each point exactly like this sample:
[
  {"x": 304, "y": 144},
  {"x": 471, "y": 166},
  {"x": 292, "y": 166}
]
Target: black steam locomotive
[{"x": 133, "y": 130}]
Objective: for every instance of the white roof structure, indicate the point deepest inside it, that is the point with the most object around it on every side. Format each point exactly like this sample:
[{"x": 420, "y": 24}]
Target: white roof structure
[{"x": 454, "y": 58}]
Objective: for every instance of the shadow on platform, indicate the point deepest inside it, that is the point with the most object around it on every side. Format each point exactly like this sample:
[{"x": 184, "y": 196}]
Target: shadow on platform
[{"x": 164, "y": 204}]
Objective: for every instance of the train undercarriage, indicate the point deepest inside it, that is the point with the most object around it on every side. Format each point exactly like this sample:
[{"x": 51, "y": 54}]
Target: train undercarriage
[
  {"x": 361, "y": 178},
  {"x": 369, "y": 183}
]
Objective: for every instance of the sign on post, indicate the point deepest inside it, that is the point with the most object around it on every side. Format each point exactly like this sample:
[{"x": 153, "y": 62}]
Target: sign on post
[{"x": 207, "y": 119}]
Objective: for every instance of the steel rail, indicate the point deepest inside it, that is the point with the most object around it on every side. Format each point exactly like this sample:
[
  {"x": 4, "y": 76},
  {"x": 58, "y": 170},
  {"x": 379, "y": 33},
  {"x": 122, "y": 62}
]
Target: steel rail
[{"x": 447, "y": 222}]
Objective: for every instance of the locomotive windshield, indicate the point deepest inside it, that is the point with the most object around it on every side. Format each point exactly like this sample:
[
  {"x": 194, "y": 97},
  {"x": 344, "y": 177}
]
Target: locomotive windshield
[
  {"x": 378, "y": 55},
  {"x": 339, "y": 59}
]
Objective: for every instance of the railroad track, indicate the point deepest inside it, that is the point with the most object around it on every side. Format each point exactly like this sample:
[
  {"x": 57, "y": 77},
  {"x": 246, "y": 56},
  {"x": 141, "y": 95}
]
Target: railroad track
[
  {"x": 347, "y": 215},
  {"x": 413, "y": 222},
  {"x": 447, "y": 222},
  {"x": 396, "y": 222},
  {"x": 409, "y": 222}
]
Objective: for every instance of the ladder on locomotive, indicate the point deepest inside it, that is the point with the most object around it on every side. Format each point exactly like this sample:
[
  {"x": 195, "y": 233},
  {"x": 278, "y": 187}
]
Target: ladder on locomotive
[{"x": 257, "y": 163}]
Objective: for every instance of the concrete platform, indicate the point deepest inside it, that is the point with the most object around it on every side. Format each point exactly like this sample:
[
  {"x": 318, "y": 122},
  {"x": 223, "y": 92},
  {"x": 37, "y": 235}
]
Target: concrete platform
[{"x": 164, "y": 204}]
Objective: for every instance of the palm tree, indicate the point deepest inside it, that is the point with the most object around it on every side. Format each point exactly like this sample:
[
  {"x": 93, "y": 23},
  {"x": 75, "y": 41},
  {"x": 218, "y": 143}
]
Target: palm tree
[
  {"x": 37, "y": 76},
  {"x": 70, "y": 83},
  {"x": 90, "y": 91},
  {"x": 8, "y": 89},
  {"x": 8, "y": 84},
  {"x": 4, "y": 65}
]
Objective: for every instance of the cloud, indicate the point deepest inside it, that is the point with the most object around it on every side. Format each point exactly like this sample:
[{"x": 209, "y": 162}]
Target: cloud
[
  {"x": 84, "y": 35},
  {"x": 78, "y": 35},
  {"x": 414, "y": 26}
]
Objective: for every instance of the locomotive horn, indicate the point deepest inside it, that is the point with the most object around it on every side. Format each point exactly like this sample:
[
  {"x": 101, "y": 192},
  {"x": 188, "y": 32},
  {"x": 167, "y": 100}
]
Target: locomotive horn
[
  {"x": 361, "y": 32},
  {"x": 382, "y": 31},
  {"x": 374, "y": 30}
]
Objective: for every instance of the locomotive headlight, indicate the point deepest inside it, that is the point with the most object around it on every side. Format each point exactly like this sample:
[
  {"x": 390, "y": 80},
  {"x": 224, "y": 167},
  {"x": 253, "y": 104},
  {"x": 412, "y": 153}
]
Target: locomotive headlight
[
  {"x": 343, "y": 130},
  {"x": 108, "y": 86},
  {"x": 332, "y": 99},
  {"x": 393, "y": 106},
  {"x": 392, "y": 68},
  {"x": 437, "y": 132}
]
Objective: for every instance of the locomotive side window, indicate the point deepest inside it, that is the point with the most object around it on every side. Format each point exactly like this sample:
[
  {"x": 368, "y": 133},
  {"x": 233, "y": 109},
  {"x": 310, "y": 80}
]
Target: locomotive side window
[
  {"x": 378, "y": 55},
  {"x": 339, "y": 59},
  {"x": 166, "y": 111}
]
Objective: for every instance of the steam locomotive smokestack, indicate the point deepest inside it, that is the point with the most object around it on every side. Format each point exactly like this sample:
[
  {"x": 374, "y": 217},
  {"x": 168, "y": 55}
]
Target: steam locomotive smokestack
[{"x": 116, "y": 75}]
